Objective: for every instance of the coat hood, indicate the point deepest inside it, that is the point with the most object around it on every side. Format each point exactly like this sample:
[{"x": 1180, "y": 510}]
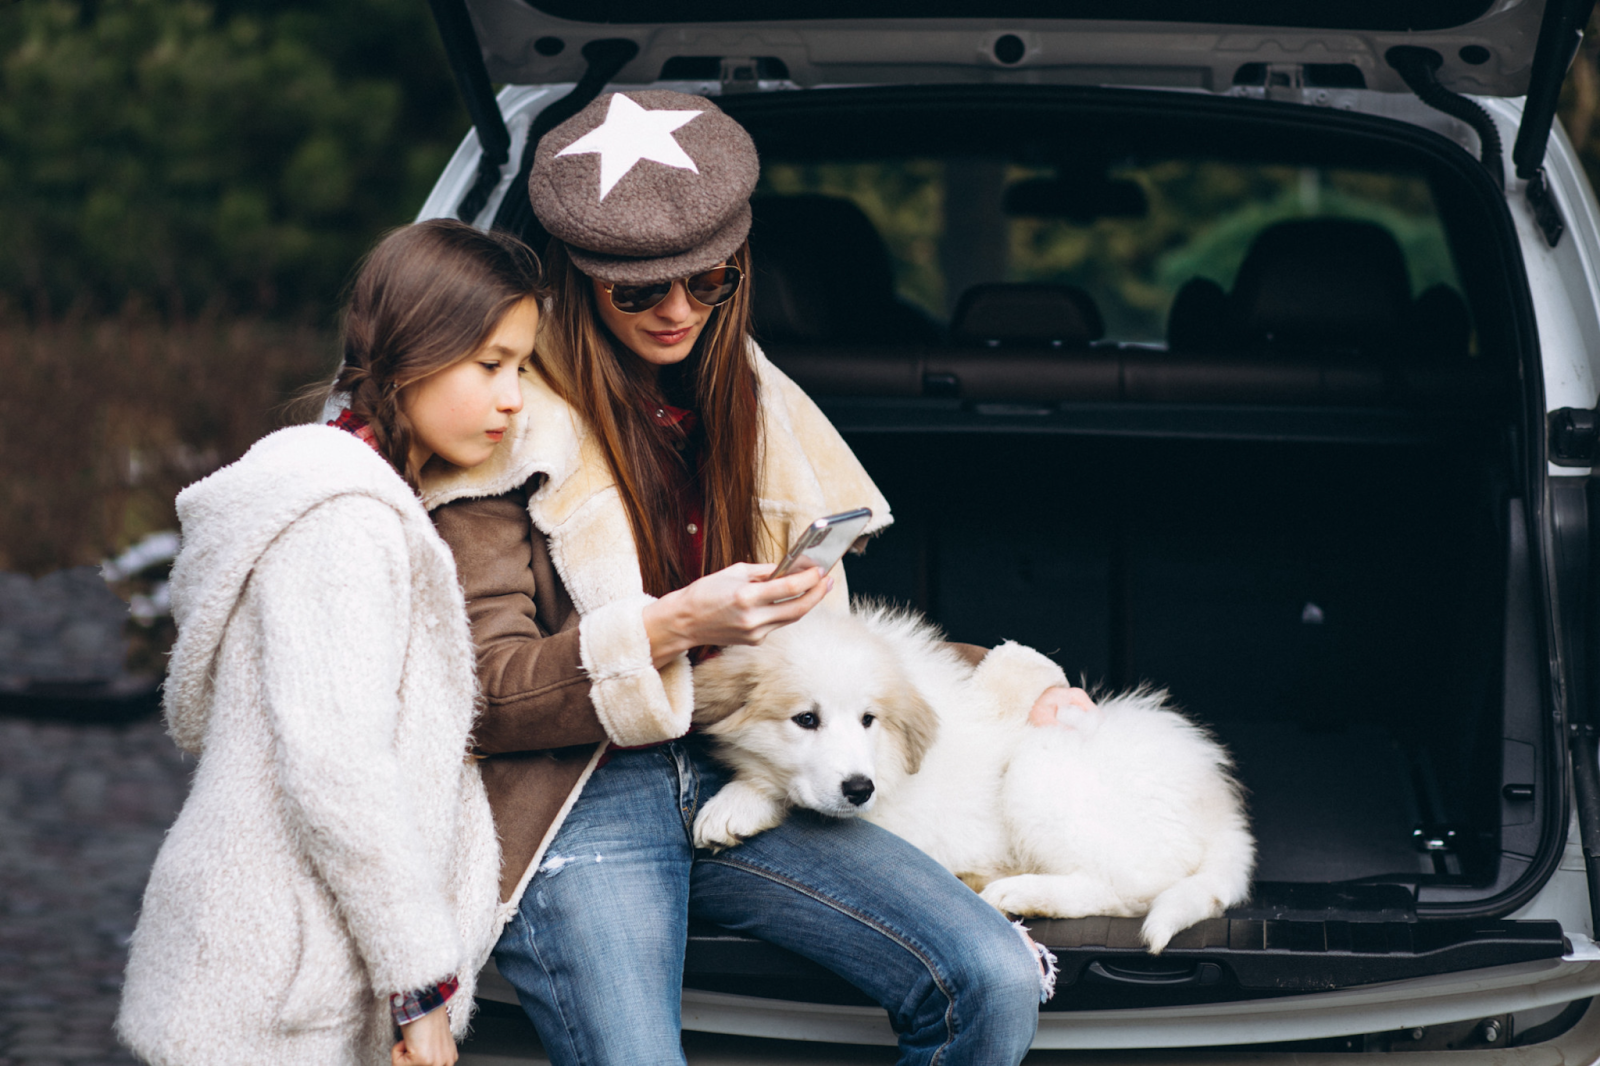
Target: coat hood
[{"x": 229, "y": 519}]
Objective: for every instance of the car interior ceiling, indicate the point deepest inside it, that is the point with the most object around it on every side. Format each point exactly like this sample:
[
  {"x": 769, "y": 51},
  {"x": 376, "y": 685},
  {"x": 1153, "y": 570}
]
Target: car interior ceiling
[{"x": 1333, "y": 608}]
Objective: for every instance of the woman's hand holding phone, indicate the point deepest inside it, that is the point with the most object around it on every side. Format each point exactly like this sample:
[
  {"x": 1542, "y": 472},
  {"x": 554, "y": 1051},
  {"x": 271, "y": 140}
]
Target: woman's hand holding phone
[{"x": 737, "y": 605}]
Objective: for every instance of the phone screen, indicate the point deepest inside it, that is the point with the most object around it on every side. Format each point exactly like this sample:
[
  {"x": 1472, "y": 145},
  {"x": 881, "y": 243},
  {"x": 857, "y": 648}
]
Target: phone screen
[{"x": 824, "y": 542}]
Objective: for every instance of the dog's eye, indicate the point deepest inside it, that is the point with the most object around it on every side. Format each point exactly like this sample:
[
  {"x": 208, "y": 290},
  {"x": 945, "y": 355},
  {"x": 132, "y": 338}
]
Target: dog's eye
[
  {"x": 867, "y": 720},
  {"x": 807, "y": 720}
]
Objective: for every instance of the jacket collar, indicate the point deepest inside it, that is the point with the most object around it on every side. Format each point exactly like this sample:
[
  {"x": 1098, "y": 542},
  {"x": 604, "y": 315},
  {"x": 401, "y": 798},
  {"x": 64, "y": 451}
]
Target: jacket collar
[{"x": 806, "y": 471}]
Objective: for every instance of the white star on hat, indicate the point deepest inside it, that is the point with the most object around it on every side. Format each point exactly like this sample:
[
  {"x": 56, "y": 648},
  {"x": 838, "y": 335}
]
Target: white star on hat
[{"x": 631, "y": 133}]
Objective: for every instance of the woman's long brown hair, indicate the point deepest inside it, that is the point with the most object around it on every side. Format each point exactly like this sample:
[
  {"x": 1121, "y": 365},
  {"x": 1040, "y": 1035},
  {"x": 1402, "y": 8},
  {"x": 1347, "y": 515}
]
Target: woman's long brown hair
[
  {"x": 425, "y": 297},
  {"x": 616, "y": 394}
]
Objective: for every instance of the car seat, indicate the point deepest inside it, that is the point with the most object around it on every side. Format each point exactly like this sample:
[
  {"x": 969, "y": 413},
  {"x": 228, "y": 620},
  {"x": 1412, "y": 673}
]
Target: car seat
[{"x": 822, "y": 275}]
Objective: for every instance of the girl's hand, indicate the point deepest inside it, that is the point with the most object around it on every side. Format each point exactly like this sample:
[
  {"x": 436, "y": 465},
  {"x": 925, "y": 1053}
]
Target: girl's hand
[
  {"x": 425, "y": 1042},
  {"x": 1049, "y": 707},
  {"x": 733, "y": 606}
]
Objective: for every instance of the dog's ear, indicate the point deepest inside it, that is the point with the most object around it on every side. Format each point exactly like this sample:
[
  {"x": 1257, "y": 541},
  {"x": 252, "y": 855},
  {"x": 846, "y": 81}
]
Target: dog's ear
[
  {"x": 722, "y": 685},
  {"x": 916, "y": 723}
]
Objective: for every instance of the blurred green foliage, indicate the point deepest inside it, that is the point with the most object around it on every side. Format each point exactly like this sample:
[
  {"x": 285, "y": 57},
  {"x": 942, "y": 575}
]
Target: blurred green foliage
[{"x": 236, "y": 156}]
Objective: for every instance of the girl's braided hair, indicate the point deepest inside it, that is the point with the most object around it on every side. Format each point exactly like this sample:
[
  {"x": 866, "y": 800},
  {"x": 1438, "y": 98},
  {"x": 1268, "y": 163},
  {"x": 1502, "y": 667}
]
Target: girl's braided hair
[{"x": 427, "y": 296}]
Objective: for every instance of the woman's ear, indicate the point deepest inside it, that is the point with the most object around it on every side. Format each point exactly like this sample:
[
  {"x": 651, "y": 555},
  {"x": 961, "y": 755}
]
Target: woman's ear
[
  {"x": 916, "y": 723},
  {"x": 722, "y": 685}
]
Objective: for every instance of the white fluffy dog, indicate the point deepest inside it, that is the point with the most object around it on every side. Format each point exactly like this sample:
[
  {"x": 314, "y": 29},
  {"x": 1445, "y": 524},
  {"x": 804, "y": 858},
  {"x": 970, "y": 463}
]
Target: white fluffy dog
[{"x": 1127, "y": 810}]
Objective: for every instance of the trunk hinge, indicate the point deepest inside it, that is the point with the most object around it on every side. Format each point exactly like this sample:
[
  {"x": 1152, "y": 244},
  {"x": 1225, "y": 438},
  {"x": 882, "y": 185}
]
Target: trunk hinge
[
  {"x": 1419, "y": 68},
  {"x": 1560, "y": 34},
  {"x": 605, "y": 57},
  {"x": 1545, "y": 212},
  {"x": 472, "y": 78},
  {"x": 740, "y": 74}
]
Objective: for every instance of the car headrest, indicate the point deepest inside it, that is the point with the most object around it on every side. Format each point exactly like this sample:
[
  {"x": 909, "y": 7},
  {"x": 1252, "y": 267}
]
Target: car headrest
[
  {"x": 820, "y": 270},
  {"x": 1323, "y": 284},
  {"x": 1201, "y": 319},
  {"x": 1027, "y": 315},
  {"x": 1439, "y": 327}
]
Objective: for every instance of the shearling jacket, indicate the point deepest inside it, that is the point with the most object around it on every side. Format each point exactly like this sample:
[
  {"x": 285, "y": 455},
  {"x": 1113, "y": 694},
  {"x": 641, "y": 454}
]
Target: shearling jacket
[
  {"x": 336, "y": 845},
  {"x": 556, "y": 599}
]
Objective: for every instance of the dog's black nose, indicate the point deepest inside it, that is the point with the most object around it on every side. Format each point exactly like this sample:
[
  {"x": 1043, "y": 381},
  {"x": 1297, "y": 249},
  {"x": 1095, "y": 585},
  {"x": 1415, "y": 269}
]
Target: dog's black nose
[{"x": 857, "y": 788}]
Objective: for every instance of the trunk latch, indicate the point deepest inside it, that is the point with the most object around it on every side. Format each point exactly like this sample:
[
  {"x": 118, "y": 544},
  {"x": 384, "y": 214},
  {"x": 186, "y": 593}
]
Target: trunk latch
[
  {"x": 1436, "y": 838},
  {"x": 1574, "y": 435}
]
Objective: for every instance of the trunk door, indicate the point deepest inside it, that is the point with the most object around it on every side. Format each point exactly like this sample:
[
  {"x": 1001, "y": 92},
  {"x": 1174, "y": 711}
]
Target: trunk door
[{"x": 1488, "y": 46}]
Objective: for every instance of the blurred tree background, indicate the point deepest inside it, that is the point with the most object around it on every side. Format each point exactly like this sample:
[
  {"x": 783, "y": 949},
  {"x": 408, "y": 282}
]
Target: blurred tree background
[
  {"x": 232, "y": 157},
  {"x": 184, "y": 189}
]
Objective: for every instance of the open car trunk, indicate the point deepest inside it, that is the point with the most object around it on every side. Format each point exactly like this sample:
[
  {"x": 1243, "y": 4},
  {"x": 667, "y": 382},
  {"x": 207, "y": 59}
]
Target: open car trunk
[
  {"x": 1319, "y": 541},
  {"x": 1319, "y": 520}
]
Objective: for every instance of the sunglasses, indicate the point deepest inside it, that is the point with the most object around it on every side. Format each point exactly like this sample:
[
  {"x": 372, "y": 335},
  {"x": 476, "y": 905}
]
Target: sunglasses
[{"x": 708, "y": 288}]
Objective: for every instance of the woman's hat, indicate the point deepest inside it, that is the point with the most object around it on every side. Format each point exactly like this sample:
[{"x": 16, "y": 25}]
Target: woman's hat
[{"x": 646, "y": 186}]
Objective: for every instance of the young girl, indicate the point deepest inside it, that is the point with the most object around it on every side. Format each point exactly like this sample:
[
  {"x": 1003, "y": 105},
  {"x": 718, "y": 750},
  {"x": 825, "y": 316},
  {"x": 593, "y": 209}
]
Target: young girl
[
  {"x": 332, "y": 874},
  {"x": 658, "y": 453}
]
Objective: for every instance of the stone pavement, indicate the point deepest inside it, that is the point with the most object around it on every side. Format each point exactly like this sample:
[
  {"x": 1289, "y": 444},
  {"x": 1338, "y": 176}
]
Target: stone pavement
[{"x": 82, "y": 812}]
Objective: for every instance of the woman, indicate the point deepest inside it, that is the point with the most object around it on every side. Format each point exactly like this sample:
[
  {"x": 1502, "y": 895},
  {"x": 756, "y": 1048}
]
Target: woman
[
  {"x": 332, "y": 873},
  {"x": 658, "y": 445}
]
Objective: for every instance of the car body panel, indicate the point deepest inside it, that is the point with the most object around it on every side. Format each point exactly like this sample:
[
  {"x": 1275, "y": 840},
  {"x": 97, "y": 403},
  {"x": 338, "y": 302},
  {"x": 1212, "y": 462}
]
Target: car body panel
[
  {"x": 519, "y": 47},
  {"x": 1393, "y": 1005}
]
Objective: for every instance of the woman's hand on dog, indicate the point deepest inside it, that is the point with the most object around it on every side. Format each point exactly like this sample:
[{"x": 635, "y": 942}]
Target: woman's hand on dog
[
  {"x": 733, "y": 606},
  {"x": 1058, "y": 705},
  {"x": 425, "y": 1042}
]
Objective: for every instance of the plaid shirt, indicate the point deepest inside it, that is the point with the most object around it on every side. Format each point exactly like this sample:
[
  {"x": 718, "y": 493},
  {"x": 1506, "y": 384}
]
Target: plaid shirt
[
  {"x": 356, "y": 426},
  {"x": 407, "y": 1007}
]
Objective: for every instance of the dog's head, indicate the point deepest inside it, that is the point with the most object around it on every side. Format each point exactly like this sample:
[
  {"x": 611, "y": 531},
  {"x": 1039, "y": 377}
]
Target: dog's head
[{"x": 822, "y": 711}]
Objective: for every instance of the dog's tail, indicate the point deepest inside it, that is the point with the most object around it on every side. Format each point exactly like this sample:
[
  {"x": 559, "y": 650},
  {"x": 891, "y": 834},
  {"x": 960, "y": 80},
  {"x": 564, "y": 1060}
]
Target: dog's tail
[{"x": 1222, "y": 881}]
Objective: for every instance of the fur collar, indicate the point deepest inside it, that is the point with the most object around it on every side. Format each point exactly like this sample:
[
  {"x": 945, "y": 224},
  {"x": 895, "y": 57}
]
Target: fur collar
[{"x": 807, "y": 471}]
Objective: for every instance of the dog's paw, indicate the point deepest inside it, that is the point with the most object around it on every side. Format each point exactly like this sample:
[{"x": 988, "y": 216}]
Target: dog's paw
[
  {"x": 734, "y": 815},
  {"x": 1019, "y": 895},
  {"x": 1075, "y": 895}
]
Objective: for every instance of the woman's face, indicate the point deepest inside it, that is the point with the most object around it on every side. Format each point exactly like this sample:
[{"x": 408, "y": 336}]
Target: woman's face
[
  {"x": 461, "y": 412},
  {"x": 661, "y": 336}
]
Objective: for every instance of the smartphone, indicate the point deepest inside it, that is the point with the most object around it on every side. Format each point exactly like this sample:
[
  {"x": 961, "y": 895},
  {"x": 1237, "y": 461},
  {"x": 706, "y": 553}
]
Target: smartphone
[{"x": 824, "y": 542}]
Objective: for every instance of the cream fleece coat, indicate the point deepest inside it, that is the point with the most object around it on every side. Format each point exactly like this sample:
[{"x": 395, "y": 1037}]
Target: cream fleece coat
[
  {"x": 806, "y": 470},
  {"x": 336, "y": 846}
]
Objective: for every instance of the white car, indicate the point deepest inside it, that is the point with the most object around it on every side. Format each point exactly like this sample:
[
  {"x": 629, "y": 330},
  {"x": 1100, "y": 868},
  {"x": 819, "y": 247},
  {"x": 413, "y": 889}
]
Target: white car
[{"x": 1247, "y": 349}]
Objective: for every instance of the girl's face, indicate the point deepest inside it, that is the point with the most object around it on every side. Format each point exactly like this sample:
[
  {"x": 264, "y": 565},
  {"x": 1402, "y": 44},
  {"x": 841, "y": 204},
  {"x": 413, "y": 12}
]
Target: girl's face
[
  {"x": 461, "y": 412},
  {"x": 661, "y": 336}
]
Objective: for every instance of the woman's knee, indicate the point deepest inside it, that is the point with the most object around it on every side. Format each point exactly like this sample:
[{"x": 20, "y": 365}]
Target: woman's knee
[{"x": 996, "y": 988}]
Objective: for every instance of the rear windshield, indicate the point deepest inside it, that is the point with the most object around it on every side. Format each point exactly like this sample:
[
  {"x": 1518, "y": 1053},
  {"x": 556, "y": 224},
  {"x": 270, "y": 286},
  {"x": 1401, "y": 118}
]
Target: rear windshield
[{"x": 1131, "y": 234}]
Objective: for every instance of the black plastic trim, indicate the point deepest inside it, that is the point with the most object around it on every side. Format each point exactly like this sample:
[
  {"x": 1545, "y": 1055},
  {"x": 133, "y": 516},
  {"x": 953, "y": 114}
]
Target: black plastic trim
[
  {"x": 1420, "y": 69},
  {"x": 1104, "y": 964}
]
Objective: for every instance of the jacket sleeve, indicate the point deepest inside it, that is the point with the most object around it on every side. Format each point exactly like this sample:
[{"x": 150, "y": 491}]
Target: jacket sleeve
[
  {"x": 536, "y": 689},
  {"x": 332, "y": 601}
]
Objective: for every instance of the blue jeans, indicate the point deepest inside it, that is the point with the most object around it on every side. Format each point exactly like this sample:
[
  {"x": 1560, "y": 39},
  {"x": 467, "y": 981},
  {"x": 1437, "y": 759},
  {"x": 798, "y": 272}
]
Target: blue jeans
[{"x": 596, "y": 947}]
